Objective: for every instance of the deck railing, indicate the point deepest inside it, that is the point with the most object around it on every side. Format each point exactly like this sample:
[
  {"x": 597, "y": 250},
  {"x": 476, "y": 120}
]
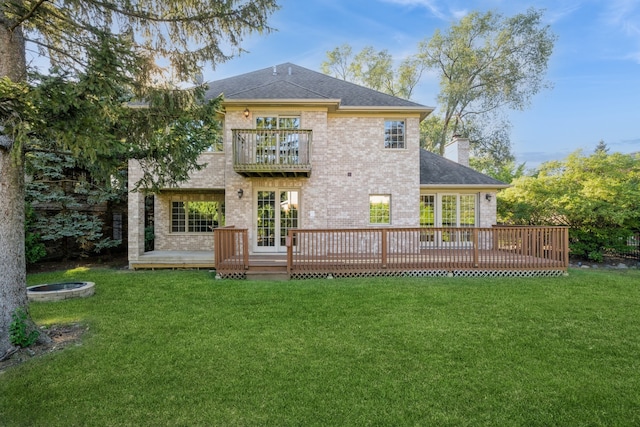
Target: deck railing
[
  {"x": 272, "y": 152},
  {"x": 361, "y": 250},
  {"x": 404, "y": 249},
  {"x": 231, "y": 250}
]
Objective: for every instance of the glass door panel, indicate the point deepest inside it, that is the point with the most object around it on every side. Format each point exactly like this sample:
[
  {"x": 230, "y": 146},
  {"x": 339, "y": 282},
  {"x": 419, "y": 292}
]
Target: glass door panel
[
  {"x": 288, "y": 214},
  {"x": 277, "y": 212},
  {"x": 449, "y": 217},
  {"x": 266, "y": 220}
]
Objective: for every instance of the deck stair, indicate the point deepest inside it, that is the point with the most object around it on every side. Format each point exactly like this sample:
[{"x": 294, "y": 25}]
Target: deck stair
[{"x": 267, "y": 267}]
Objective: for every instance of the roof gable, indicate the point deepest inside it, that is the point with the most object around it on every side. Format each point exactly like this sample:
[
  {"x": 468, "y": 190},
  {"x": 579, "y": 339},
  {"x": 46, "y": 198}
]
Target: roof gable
[
  {"x": 292, "y": 82},
  {"x": 436, "y": 170}
]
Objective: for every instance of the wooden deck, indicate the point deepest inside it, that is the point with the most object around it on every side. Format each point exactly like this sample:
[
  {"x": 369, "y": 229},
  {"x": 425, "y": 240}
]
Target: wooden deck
[
  {"x": 513, "y": 251},
  {"x": 174, "y": 260},
  {"x": 523, "y": 251},
  {"x": 205, "y": 260}
]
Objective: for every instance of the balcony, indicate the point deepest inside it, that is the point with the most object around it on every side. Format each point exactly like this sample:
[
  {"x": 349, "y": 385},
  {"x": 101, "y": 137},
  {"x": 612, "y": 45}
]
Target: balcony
[{"x": 272, "y": 152}]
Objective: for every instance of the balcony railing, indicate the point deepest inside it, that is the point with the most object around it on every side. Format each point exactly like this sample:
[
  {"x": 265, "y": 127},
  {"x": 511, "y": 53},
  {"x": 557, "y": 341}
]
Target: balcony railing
[{"x": 272, "y": 152}]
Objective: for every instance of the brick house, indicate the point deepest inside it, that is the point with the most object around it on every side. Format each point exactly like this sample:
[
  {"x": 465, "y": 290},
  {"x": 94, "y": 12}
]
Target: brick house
[{"x": 303, "y": 150}]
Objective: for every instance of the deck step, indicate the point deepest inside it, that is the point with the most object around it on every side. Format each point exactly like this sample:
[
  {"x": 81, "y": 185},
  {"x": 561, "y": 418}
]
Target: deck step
[
  {"x": 262, "y": 274},
  {"x": 268, "y": 268}
]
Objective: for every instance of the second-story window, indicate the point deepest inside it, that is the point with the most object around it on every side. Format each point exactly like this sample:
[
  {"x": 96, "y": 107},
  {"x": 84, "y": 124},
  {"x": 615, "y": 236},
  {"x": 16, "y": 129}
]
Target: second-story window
[
  {"x": 278, "y": 122},
  {"x": 394, "y": 135}
]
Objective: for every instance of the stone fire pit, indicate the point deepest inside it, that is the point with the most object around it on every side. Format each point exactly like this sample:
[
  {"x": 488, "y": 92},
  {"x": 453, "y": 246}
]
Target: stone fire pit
[{"x": 60, "y": 291}]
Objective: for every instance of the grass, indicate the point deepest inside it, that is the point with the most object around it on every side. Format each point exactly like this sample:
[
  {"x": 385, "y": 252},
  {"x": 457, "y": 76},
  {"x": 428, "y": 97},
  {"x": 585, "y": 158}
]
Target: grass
[{"x": 179, "y": 348}]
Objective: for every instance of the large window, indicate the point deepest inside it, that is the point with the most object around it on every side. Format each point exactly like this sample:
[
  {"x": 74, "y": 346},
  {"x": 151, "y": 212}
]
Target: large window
[
  {"x": 278, "y": 122},
  {"x": 427, "y": 210},
  {"x": 196, "y": 216},
  {"x": 448, "y": 210},
  {"x": 394, "y": 136},
  {"x": 380, "y": 209}
]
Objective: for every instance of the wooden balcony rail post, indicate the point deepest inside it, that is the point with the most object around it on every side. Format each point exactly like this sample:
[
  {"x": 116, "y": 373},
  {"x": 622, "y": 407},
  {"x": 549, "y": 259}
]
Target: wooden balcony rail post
[
  {"x": 566, "y": 247},
  {"x": 290, "y": 237},
  {"x": 384, "y": 248},
  {"x": 245, "y": 247},
  {"x": 475, "y": 248},
  {"x": 216, "y": 248}
]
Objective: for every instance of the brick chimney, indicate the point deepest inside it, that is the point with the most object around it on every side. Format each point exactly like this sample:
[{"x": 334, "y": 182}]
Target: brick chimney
[{"x": 458, "y": 150}]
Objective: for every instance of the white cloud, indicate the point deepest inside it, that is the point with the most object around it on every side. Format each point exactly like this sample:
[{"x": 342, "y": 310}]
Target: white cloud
[
  {"x": 634, "y": 56},
  {"x": 459, "y": 14},
  {"x": 624, "y": 14},
  {"x": 429, "y": 4},
  {"x": 554, "y": 15}
]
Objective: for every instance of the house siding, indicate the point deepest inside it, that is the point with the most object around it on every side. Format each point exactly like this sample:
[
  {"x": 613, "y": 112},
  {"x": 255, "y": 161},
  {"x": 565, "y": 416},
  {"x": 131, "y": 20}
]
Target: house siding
[
  {"x": 349, "y": 163},
  {"x": 487, "y": 210},
  {"x": 164, "y": 239},
  {"x": 359, "y": 166},
  {"x": 330, "y": 198}
]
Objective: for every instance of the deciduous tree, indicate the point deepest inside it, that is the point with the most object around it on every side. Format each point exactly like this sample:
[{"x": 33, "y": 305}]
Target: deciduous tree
[
  {"x": 374, "y": 69},
  {"x": 487, "y": 62},
  {"x": 597, "y": 196},
  {"x": 107, "y": 54}
]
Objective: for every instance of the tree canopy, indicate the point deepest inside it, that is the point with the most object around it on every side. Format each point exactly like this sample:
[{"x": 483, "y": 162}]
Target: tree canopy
[
  {"x": 110, "y": 96},
  {"x": 597, "y": 196},
  {"x": 486, "y": 64},
  {"x": 374, "y": 69}
]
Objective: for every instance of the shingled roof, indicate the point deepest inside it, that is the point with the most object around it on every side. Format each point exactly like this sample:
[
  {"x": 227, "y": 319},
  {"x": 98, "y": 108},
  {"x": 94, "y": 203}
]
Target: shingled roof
[
  {"x": 291, "y": 82},
  {"x": 435, "y": 170}
]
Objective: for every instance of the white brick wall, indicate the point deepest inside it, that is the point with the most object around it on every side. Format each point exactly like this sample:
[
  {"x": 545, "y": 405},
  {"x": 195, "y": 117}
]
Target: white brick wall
[
  {"x": 487, "y": 209},
  {"x": 165, "y": 240},
  {"x": 349, "y": 163}
]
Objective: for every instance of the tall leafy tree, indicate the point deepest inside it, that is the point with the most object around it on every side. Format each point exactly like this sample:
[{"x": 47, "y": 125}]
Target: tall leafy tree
[
  {"x": 597, "y": 196},
  {"x": 374, "y": 69},
  {"x": 106, "y": 54},
  {"x": 486, "y": 62},
  {"x": 338, "y": 63}
]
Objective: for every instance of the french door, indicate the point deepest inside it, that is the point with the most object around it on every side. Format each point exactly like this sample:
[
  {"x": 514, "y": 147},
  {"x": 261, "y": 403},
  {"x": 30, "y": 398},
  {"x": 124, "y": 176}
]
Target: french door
[
  {"x": 276, "y": 212},
  {"x": 458, "y": 211}
]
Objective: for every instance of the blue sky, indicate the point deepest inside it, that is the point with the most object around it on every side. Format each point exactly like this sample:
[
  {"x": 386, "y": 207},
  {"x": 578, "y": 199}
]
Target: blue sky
[{"x": 595, "y": 67}]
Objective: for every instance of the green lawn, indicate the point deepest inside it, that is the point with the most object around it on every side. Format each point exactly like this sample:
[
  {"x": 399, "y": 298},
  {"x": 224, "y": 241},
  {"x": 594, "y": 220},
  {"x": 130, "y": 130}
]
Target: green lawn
[{"x": 180, "y": 348}]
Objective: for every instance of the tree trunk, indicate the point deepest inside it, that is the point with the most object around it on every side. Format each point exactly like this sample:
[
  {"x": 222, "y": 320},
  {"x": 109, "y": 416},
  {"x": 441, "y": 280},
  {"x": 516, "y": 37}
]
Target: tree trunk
[{"x": 13, "y": 280}]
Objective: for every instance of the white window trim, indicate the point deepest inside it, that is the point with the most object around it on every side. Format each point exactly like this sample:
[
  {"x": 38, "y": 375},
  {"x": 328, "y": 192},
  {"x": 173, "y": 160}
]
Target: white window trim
[
  {"x": 381, "y": 224},
  {"x": 186, "y": 199},
  {"x": 404, "y": 136},
  {"x": 438, "y": 206},
  {"x": 262, "y": 115}
]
